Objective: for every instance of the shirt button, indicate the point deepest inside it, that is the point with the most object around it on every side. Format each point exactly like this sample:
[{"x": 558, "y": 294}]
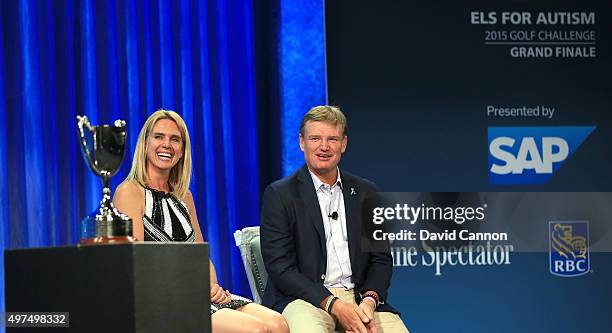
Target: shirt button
[{"x": 322, "y": 276}]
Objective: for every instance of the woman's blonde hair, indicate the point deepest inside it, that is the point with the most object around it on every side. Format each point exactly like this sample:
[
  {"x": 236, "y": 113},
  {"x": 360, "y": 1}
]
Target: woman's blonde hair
[{"x": 180, "y": 175}]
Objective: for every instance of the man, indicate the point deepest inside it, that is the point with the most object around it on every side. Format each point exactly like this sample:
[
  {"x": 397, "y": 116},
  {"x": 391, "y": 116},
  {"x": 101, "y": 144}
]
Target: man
[{"x": 319, "y": 276}]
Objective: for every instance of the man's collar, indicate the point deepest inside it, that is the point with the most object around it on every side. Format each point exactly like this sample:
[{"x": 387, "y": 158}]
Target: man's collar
[{"x": 317, "y": 182}]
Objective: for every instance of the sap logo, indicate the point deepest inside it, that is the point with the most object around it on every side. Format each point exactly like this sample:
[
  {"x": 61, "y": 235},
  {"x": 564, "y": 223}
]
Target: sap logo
[
  {"x": 569, "y": 248},
  {"x": 553, "y": 150},
  {"x": 530, "y": 155}
]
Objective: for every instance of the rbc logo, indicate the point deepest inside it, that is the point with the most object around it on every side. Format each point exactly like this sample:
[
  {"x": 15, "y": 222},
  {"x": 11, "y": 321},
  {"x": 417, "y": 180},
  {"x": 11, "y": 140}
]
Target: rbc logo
[
  {"x": 530, "y": 155},
  {"x": 569, "y": 248}
]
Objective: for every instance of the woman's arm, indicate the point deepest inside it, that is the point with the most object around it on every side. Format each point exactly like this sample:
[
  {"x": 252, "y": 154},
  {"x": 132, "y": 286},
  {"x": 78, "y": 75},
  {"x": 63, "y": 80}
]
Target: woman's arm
[
  {"x": 129, "y": 200},
  {"x": 217, "y": 294},
  {"x": 188, "y": 199},
  {"x": 213, "y": 273},
  {"x": 198, "y": 232}
]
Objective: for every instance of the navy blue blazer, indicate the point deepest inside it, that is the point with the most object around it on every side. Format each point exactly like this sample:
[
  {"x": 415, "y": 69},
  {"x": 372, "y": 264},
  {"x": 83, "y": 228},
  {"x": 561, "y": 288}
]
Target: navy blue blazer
[{"x": 293, "y": 242}]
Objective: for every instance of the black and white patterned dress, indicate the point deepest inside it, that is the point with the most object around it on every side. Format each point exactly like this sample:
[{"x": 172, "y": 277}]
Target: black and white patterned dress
[{"x": 166, "y": 219}]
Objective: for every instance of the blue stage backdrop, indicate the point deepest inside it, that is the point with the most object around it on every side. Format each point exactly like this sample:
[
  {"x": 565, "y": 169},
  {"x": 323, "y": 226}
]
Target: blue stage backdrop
[
  {"x": 301, "y": 71},
  {"x": 125, "y": 59}
]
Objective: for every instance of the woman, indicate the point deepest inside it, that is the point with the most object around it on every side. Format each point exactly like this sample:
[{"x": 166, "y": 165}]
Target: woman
[{"x": 156, "y": 196}]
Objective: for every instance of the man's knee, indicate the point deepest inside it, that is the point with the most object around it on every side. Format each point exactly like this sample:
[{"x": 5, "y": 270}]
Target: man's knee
[
  {"x": 387, "y": 322},
  {"x": 303, "y": 317}
]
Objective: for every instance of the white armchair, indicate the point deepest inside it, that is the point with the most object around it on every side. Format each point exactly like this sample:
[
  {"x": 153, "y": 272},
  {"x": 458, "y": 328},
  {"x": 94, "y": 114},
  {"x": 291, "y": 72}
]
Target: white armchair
[{"x": 247, "y": 241}]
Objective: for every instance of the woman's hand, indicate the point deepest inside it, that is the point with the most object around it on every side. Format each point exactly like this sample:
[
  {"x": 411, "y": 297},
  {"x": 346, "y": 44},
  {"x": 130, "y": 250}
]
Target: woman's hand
[
  {"x": 228, "y": 296},
  {"x": 218, "y": 295}
]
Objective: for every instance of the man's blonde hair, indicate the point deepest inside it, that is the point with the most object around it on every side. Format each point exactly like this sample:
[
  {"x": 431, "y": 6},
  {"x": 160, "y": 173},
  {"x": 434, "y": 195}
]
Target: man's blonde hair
[
  {"x": 180, "y": 175},
  {"x": 325, "y": 113}
]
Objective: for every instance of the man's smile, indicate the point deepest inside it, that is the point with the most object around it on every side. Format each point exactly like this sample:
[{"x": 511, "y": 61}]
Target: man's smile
[{"x": 324, "y": 156}]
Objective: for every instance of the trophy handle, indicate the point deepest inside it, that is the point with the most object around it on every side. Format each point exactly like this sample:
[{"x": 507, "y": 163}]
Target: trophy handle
[{"x": 82, "y": 120}]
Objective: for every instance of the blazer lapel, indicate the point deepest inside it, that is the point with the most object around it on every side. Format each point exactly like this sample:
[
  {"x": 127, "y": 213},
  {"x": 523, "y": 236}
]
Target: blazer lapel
[
  {"x": 311, "y": 206},
  {"x": 353, "y": 221}
]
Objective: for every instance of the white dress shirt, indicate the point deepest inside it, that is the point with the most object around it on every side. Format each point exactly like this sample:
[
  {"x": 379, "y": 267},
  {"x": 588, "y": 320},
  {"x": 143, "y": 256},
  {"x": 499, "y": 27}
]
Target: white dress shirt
[{"x": 331, "y": 199}]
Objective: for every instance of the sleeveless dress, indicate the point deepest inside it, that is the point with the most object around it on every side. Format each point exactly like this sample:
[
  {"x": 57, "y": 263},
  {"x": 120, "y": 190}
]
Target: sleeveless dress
[{"x": 166, "y": 219}]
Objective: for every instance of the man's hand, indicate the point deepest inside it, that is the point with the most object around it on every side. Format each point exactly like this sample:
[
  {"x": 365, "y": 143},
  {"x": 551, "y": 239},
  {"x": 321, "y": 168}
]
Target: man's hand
[
  {"x": 218, "y": 295},
  {"x": 353, "y": 318},
  {"x": 368, "y": 306}
]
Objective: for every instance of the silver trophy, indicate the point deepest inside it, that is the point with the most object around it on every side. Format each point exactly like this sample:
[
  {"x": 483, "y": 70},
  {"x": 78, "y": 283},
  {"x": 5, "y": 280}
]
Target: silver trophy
[{"x": 103, "y": 148}]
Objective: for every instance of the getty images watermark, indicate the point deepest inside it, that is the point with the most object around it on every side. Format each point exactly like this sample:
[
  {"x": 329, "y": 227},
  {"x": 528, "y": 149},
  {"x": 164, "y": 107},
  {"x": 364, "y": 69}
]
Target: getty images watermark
[{"x": 435, "y": 234}]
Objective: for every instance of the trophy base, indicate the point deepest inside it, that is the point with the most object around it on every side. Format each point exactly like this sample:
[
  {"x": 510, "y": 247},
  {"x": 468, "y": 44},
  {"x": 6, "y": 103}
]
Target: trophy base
[{"x": 107, "y": 240}]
